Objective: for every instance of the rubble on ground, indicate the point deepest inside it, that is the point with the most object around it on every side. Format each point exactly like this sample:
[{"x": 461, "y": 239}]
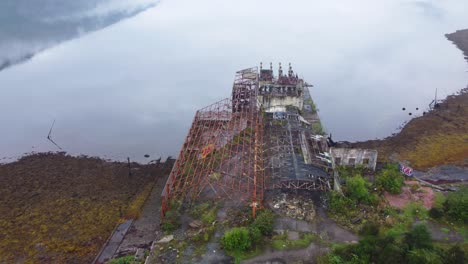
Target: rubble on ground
[
  {"x": 196, "y": 224},
  {"x": 296, "y": 207},
  {"x": 166, "y": 239}
]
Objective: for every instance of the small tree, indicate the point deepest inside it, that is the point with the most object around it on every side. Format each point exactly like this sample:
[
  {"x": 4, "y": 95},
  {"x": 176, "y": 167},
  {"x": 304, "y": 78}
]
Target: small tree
[
  {"x": 369, "y": 229},
  {"x": 423, "y": 256},
  {"x": 264, "y": 222},
  {"x": 390, "y": 179},
  {"x": 237, "y": 240},
  {"x": 339, "y": 203},
  {"x": 171, "y": 221},
  {"x": 357, "y": 188},
  {"x": 456, "y": 206},
  {"x": 419, "y": 237}
]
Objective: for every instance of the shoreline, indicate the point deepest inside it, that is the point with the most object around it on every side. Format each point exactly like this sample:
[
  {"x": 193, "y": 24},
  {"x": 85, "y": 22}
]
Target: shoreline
[{"x": 435, "y": 139}]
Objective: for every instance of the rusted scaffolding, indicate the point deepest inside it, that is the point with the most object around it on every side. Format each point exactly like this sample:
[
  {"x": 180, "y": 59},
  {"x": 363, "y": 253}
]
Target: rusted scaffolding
[{"x": 222, "y": 155}]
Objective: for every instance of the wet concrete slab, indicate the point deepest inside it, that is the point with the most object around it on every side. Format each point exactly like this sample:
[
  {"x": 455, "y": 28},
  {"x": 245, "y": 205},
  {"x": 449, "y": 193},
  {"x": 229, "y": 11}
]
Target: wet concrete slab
[{"x": 114, "y": 242}]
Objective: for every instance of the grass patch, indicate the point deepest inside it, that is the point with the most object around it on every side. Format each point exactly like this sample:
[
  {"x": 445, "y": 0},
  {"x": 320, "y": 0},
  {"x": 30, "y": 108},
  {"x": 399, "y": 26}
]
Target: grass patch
[
  {"x": 206, "y": 212},
  {"x": 317, "y": 128},
  {"x": 136, "y": 206},
  {"x": 125, "y": 260},
  {"x": 439, "y": 200},
  {"x": 281, "y": 242},
  {"x": 62, "y": 209},
  {"x": 445, "y": 230}
]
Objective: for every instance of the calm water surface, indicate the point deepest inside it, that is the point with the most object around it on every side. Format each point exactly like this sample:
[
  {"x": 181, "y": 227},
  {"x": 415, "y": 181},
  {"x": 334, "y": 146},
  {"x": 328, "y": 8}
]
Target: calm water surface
[{"x": 132, "y": 88}]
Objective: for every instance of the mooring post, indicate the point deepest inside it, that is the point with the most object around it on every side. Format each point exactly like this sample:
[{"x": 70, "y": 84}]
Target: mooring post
[{"x": 129, "y": 167}]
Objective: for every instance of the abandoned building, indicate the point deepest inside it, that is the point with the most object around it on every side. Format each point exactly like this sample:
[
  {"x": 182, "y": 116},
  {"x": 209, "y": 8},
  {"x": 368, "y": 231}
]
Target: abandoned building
[
  {"x": 275, "y": 93},
  {"x": 354, "y": 157},
  {"x": 264, "y": 137}
]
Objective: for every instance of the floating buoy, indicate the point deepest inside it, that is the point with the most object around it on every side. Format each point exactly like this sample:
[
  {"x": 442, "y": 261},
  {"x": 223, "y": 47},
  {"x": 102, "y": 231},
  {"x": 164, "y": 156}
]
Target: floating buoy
[
  {"x": 417, "y": 108},
  {"x": 403, "y": 109},
  {"x": 409, "y": 113},
  {"x": 147, "y": 156}
]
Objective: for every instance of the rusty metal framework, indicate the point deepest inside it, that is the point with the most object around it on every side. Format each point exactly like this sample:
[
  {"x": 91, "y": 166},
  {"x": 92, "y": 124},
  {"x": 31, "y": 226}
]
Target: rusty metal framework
[
  {"x": 319, "y": 184},
  {"x": 222, "y": 155},
  {"x": 292, "y": 155}
]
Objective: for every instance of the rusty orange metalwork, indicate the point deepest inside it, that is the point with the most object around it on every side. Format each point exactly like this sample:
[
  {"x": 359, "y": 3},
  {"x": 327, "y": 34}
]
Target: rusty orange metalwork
[
  {"x": 228, "y": 136},
  {"x": 207, "y": 150}
]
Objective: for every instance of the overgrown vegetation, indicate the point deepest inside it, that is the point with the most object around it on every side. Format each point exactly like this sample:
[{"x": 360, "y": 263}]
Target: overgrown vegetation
[
  {"x": 241, "y": 242},
  {"x": 389, "y": 235},
  {"x": 317, "y": 128},
  {"x": 390, "y": 179},
  {"x": 237, "y": 240},
  {"x": 171, "y": 220},
  {"x": 312, "y": 105},
  {"x": 61, "y": 209},
  {"x": 281, "y": 242},
  {"x": 437, "y": 138},
  {"x": 414, "y": 246},
  {"x": 456, "y": 206},
  {"x": 125, "y": 260},
  {"x": 361, "y": 201}
]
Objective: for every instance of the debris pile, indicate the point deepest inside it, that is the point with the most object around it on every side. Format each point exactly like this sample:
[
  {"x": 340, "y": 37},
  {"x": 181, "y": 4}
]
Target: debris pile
[{"x": 296, "y": 207}]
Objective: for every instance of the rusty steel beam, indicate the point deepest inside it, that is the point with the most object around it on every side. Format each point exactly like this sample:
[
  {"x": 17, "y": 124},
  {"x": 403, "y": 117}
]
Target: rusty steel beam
[{"x": 222, "y": 155}]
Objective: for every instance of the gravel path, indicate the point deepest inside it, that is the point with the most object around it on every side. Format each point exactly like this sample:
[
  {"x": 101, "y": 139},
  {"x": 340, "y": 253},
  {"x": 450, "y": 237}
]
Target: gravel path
[{"x": 143, "y": 231}]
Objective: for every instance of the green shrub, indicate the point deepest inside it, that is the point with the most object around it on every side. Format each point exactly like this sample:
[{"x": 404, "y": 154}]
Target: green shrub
[
  {"x": 369, "y": 229},
  {"x": 436, "y": 213},
  {"x": 339, "y": 203},
  {"x": 423, "y": 256},
  {"x": 455, "y": 255},
  {"x": 124, "y": 260},
  {"x": 439, "y": 200},
  {"x": 237, "y": 240},
  {"x": 255, "y": 234},
  {"x": 390, "y": 179},
  {"x": 356, "y": 188},
  {"x": 264, "y": 222},
  {"x": 414, "y": 210},
  {"x": 330, "y": 259},
  {"x": 171, "y": 220},
  {"x": 199, "y": 209},
  {"x": 210, "y": 216},
  {"x": 419, "y": 237},
  {"x": 456, "y": 206}
]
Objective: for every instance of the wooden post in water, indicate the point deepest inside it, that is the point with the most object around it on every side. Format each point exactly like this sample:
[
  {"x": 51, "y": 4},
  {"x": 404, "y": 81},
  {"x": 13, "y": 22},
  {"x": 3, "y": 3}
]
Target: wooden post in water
[{"x": 129, "y": 167}]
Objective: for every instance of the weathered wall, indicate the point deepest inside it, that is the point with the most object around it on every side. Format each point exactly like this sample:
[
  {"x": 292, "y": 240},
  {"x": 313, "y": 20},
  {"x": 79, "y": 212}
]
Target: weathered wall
[
  {"x": 270, "y": 101},
  {"x": 346, "y": 156}
]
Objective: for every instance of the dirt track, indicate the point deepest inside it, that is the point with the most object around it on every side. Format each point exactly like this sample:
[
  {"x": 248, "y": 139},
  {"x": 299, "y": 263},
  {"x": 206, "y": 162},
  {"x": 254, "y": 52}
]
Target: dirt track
[{"x": 143, "y": 231}]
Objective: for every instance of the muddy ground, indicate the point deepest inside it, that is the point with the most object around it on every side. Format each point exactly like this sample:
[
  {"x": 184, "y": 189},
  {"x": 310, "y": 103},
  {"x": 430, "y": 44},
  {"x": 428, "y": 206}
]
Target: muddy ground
[
  {"x": 460, "y": 39},
  {"x": 56, "y": 208}
]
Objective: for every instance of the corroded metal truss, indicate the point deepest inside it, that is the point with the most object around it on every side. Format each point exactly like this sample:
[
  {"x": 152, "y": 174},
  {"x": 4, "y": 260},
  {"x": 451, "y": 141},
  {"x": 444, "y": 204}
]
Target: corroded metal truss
[
  {"x": 314, "y": 184},
  {"x": 223, "y": 152}
]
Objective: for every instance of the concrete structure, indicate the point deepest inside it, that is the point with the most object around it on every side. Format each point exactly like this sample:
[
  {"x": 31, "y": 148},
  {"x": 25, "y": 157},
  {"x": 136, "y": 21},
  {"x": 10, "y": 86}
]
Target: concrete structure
[
  {"x": 261, "y": 138},
  {"x": 283, "y": 90},
  {"x": 353, "y": 157}
]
